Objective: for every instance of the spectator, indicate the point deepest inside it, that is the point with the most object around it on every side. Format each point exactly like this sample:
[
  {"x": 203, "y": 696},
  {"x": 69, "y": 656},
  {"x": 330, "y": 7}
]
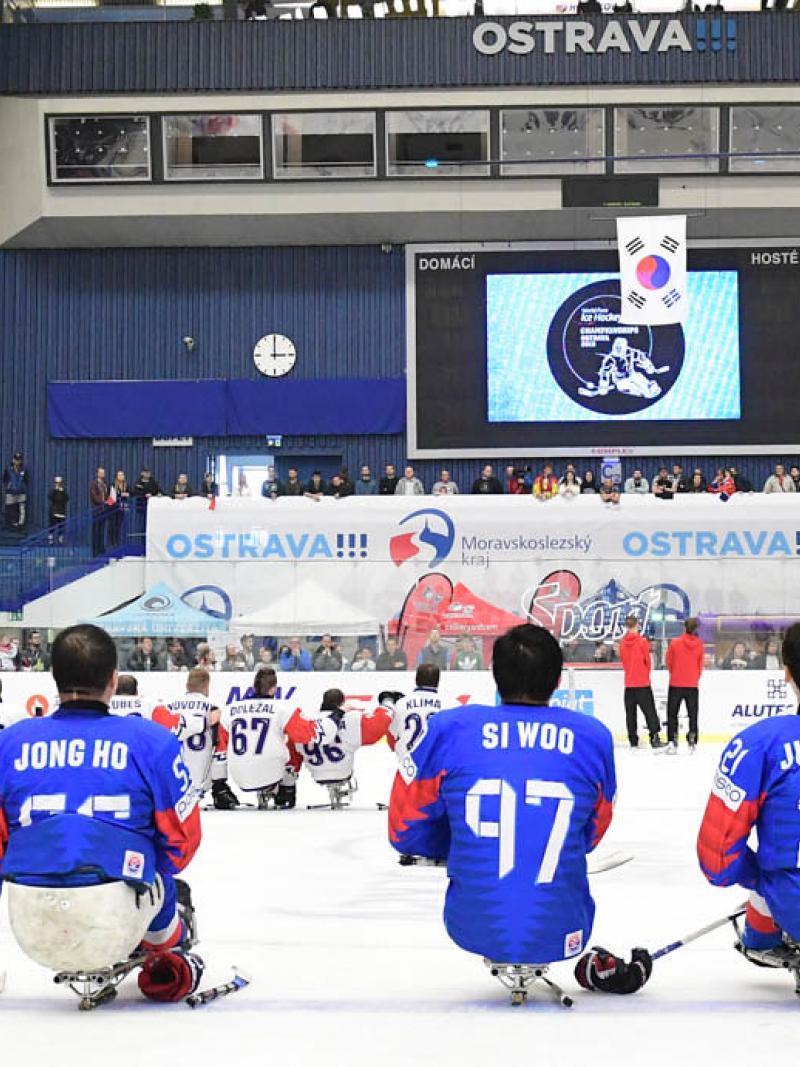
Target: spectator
[
  {"x": 487, "y": 483},
  {"x": 698, "y": 483},
  {"x": 569, "y": 486},
  {"x": 293, "y": 486},
  {"x": 445, "y": 486},
  {"x": 723, "y": 484},
  {"x": 794, "y": 473},
  {"x": 588, "y": 484},
  {"x": 57, "y": 498},
  {"x": 234, "y": 660},
  {"x": 347, "y": 481},
  {"x": 271, "y": 488},
  {"x": 9, "y": 653},
  {"x": 515, "y": 481},
  {"x": 340, "y": 488},
  {"x": 366, "y": 484},
  {"x": 387, "y": 486},
  {"x": 569, "y": 469},
  {"x": 315, "y": 489},
  {"x": 738, "y": 658},
  {"x": 743, "y": 484},
  {"x": 663, "y": 485},
  {"x": 609, "y": 492},
  {"x": 780, "y": 481},
  {"x": 242, "y": 489},
  {"x": 181, "y": 490},
  {"x": 295, "y": 657},
  {"x": 248, "y": 652},
  {"x": 770, "y": 659},
  {"x": 545, "y": 485},
  {"x": 265, "y": 657},
  {"x": 99, "y": 498},
  {"x": 327, "y": 657},
  {"x": 467, "y": 655},
  {"x": 680, "y": 481},
  {"x": 33, "y": 656},
  {"x": 684, "y": 661},
  {"x": 15, "y": 491},
  {"x": 205, "y": 657},
  {"x": 392, "y": 658},
  {"x": 434, "y": 651},
  {"x": 144, "y": 657},
  {"x": 208, "y": 487},
  {"x": 146, "y": 485},
  {"x": 634, "y": 651},
  {"x": 120, "y": 497},
  {"x": 363, "y": 660},
  {"x": 409, "y": 484},
  {"x": 637, "y": 483},
  {"x": 177, "y": 658}
]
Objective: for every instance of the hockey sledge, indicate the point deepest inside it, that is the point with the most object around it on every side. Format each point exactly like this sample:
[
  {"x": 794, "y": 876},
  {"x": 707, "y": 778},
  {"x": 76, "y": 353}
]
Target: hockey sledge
[
  {"x": 520, "y": 978},
  {"x": 99, "y": 986}
]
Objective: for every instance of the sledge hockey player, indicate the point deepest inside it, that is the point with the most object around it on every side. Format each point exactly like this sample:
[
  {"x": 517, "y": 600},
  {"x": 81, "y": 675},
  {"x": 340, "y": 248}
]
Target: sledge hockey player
[
  {"x": 514, "y": 797},
  {"x": 261, "y": 734},
  {"x": 126, "y": 701},
  {"x": 99, "y": 812},
  {"x": 756, "y": 787},
  {"x": 330, "y": 760},
  {"x": 194, "y": 721},
  {"x": 410, "y": 714}
]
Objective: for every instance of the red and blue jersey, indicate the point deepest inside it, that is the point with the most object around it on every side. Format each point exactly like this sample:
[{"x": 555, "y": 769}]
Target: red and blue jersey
[
  {"x": 756, "y": 786},
  {"x": 88, "y": 797},
  {"x": 514, "y": 797}
]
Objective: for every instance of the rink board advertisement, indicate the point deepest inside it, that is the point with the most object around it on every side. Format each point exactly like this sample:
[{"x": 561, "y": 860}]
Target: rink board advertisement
[
  {"x": 532, "y": 349},
  {"x": 729, "y": 700},
  {"x": 475, "y": 566}
]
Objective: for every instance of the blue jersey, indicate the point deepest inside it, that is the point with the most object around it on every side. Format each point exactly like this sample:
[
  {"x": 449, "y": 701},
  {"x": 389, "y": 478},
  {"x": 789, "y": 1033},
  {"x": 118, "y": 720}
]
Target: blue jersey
[
  {"x": 87, "y": 797},
  {"x": 757, "y": 784},
  {"x": 513, "y": 797}
]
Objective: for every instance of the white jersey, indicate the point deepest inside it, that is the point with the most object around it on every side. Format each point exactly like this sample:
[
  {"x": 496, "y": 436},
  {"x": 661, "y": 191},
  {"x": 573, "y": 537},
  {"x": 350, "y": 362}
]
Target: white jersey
[
  {"x": 133, "y": 705},
  {"x": 331, "y": 758},
  {"x": 410, "y": 720},
  {"x": 193, "y": 727},
  {"x": 258, "y": 731}
]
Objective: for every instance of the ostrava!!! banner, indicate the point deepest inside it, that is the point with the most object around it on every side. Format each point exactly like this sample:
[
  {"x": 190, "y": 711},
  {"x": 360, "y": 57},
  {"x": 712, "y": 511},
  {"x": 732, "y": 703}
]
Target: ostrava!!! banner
[
  {"x": 476, "y": 564},
  {"x": 729, "y": 700}
]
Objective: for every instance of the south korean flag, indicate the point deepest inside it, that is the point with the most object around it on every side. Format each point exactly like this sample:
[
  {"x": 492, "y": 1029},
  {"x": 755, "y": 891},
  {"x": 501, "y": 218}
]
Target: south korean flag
[{"x": 652, "y": 269}]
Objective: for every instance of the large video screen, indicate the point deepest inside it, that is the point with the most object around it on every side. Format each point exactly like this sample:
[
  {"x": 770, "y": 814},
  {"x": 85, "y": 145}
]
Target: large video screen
[{"x": 557, "y": 350}]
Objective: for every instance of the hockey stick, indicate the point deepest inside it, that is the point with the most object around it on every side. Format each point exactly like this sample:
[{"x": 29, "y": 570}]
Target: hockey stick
[
  {"x": 607, "y": 863},
  {"x": 688, "y": 938},
  {"x": 205, "y": 996}
]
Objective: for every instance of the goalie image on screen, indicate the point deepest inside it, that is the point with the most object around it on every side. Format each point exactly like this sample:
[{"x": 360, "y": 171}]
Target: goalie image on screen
[{"x": 558, "y": 349}]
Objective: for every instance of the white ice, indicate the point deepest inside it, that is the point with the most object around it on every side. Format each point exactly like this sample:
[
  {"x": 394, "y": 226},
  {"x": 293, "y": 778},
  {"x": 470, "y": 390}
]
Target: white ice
[{"x": 351, "y": 965}]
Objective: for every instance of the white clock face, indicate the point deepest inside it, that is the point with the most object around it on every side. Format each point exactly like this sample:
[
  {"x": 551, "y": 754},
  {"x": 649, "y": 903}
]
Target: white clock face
[{"x": 274, "y": 355}]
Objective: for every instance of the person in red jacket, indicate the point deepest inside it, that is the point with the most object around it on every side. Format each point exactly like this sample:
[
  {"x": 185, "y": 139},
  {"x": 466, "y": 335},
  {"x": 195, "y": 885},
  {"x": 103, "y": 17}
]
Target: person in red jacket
[
  {"x": 634, "y": 651},
  {"x": 685, "y": 658}
]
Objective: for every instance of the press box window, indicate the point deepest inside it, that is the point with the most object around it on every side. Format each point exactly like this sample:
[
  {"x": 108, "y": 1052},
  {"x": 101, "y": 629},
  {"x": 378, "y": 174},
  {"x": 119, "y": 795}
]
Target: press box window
[
  {"x": 100, "y": 148},
  {"x": 431, "y": 143},
  {"x": 335, "y": 144},
  {"x": 552, "y": 141},
  {"x": 765, "y": 138},
  {"x": 212, "y": 147},
  {"x": 666, "y": 140}
]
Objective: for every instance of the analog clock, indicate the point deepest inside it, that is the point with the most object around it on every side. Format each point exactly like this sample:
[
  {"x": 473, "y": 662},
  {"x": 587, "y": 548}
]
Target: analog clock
[{"x": 274, "y": 355}]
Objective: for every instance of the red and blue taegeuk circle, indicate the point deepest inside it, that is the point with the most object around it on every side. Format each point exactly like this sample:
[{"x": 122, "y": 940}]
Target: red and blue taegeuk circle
[{"x": 653, "y": 272}]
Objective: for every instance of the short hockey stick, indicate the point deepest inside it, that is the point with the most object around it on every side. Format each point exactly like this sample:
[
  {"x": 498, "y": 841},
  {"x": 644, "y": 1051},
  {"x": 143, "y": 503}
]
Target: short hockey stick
[
  {"x": 688, "y": 938},
  {"x": 205, "y": 996},
  {"x": 605, "y": 863}
]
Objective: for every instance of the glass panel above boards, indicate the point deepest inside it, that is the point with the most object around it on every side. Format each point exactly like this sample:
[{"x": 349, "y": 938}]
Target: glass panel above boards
[
  {"x": 541, "y": 141},
  {"x": 437, "y": 143},
  {"x": 212, "y": 147},
  {"x": 323, "y": 144},
  {"x": 765, "y": 137},
  {"x": 100, "y": 148},
  {"x": 677, "y": 139}
]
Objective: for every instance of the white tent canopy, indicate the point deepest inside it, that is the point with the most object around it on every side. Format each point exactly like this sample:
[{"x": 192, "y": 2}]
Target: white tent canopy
[{"x": 307, "y": 609}]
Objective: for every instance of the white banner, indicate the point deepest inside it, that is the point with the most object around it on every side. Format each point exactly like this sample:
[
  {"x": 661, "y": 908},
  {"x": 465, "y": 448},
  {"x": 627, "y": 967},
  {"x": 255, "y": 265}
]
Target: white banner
[
  {"x": 729, "y": 700},
  {"x": 652, "y": 269}
]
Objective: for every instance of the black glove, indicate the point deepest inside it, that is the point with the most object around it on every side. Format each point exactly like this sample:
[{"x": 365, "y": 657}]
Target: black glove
[
  {"x": 389, "y": 697},
  {"x": 602, "y": 970}
]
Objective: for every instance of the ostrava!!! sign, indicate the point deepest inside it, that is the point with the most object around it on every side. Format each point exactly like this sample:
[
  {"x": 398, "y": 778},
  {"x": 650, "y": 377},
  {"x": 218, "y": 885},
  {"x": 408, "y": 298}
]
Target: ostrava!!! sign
[{"x": 621, "y": 35}]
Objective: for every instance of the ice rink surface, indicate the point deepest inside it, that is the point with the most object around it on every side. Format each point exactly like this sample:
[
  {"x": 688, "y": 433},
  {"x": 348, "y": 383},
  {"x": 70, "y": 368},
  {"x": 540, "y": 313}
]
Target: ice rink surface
[{"x": 351, "y": 965}]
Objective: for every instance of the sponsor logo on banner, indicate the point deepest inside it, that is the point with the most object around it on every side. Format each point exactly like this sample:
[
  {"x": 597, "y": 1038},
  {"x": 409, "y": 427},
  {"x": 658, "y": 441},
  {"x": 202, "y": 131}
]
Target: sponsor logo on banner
[
  {"x": 262, "y": 545},
  {"x": 212, "y": 599},
  {"x": 622, "y": 36},
  {"x": 157, "y": 602},
  {"x": 432, "y": 530},
  {"x": 730, "y": 794},
  {"x": 713, "y": 543},
  {"x": 779, "y": 702}
]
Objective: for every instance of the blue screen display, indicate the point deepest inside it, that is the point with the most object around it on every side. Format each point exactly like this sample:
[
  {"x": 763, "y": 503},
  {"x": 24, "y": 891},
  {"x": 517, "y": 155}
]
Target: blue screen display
[{"x": 558, "y": 352}]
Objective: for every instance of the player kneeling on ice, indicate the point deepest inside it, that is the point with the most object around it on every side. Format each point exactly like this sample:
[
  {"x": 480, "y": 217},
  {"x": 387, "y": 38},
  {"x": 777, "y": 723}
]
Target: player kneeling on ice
[
  {"x": 97, "y": 815},
  {"x": 514, "y": 797},
  {"x": 261, "y": 734},
  {"x": 344, "y": 730},
  {"x": 757, "y": 787},
  {"x": 410, "y": 714}
]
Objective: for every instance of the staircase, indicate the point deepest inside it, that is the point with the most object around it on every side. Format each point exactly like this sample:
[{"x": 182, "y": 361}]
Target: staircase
[{"x": 36, "y": 565}]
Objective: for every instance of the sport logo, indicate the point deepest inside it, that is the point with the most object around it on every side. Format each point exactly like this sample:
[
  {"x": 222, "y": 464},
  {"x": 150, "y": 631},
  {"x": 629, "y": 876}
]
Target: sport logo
[
  {"x": 437, "y": 532},
  {"x": 133, "y": 865},
  {"x": 605, "y": 365}
]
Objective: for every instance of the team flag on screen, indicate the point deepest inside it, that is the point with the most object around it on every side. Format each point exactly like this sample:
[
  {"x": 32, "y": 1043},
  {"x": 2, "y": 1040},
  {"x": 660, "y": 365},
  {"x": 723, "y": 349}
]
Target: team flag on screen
[{"x": 652, "y": 269}]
